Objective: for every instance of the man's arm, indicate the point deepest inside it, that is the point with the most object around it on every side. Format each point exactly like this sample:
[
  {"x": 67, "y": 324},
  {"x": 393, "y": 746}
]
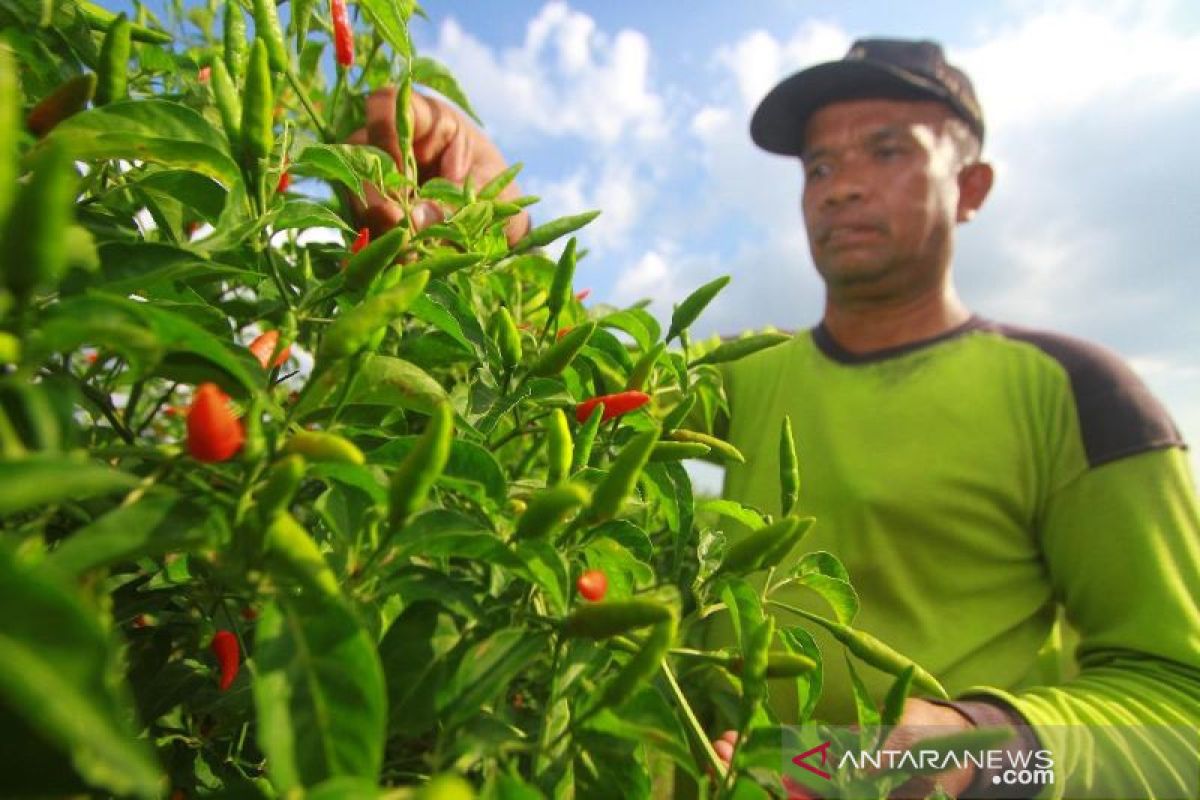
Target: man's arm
[{"x": 1122, "y": 549}]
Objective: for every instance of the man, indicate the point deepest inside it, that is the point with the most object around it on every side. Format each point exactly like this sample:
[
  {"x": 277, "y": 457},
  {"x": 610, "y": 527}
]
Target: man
[
  {"x": 974, "y": 478},
  {"x": 971, "y": 476}
]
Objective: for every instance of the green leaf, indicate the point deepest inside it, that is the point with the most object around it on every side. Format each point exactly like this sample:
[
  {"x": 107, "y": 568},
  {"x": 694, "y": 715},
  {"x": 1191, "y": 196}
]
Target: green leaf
[
  {"x": 382, "y": 380},
  {"x": 893, "y": 704},
  {"x": 648, "y": 718},
  {"x": 198, "y": 192},
  {"x": 306, "y": 214},
  {"x": 152, "y": 130},
  {"x": 733, "y": 510},
  {"x": 348, "y": 164},
  {"x": 868, "y": 715},
  {"x": 441, "y": 533},
  {"x": 158, "y": 523},
  {"x": 138, "y": 329},
  {"x": 319, "y": 692},
  {"x": 808, "y": 686},
  {"x": 642, "y": 327},
  {"x": 824, "y": 574},
  {"x": 60, "y": 673},
  {"x": 414, "y": 654},
  {"x": 136, "y": 267},
  {"x": 745, "y": 609},
  {"x": 546, "y": 565},
  {"x": 428, "y": 72},
  {"x": 469, "y": 463},
  {"x": 485, "y": 671},
  {"x": 344, "y": 789},
  {"x": 390, "y": 19},
  {"x": 33, "y": 482}
]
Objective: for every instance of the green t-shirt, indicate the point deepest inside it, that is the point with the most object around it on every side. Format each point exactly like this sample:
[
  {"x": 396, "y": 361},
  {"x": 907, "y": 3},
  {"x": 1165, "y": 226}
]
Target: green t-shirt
[{"x": 974, "y": 485}]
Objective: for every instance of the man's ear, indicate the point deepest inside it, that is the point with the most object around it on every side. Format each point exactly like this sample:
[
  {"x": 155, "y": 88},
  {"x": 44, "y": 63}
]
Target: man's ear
[{"x": 974, "y": 183}]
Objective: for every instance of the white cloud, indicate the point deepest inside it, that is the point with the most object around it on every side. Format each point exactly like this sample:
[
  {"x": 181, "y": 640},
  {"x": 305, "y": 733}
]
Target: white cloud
[
  {"x": 1065, "y": 60},
  {"x": 758, "y": 60},
  {"x": 614, "y": 188},
  {"x": 567, "y": 79}
]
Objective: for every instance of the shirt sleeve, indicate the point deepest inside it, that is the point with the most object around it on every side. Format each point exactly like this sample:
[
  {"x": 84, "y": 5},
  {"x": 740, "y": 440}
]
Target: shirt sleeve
[{"x": 1122, "y": 552}]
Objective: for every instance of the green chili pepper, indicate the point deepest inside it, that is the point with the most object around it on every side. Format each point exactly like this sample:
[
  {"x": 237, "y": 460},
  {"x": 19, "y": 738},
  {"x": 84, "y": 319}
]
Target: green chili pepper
[
  {"x": 764, "y": 547},
  {"x": 548, "y": 508},
  {"x": 373, "y": 259},
  {"x": 724, "y": 448},
  {"x": 112, "y": 71},
  {"x": 229, "y": 106},
  {"x": 293, "y": 551},
  {"x": 10, "y": 120},
  {"x": 560, "y": 287},
  {"x": 614, "y": 617},
  {"x": 447, "y": 786},
  {"x": 622, "y": 476},
  {"x": 441, "y": 266},
  {"x": 422, "y": 466},
  {"x": 731, "y": 351},
  {"x": 556, "y": 359},
  {"x": 687, "y": 311},
  {"x": 266, "y": 27},
  {"x": 254, "y": 443},
  {"x": 492, "y": 189},
  {"x": 10, "y": 348},
  {"x": 789, "y": 468},
  {"x": 405, "y": 123},
  {"x": 324, "y": 447},
  {"x": 545, "y": 234},
  {"x": 641, "y": 370},
  {"x": 279, "y": 486},
  {"x": 235, "y": 40},
  {"x": 678, "y": 451},
  {"x": 258, "y": 124},
  {"x": 780, "y": 664},
  {"x": 586, "y": 438},
  {"x": 559, "y": 447},
  {"x": 67, "y": 99},
  {"x": 35, "y": 241},
  {"x": 879, "y": 655},
  {"x": 679, "y": 413},
  {"x": 508, "y": 339},
  {"x": 353, "y": 330},
  {"x": 98, "y": 18},
  {"x": 640, "y": 668},
  {"x": 755, "y": 661}
]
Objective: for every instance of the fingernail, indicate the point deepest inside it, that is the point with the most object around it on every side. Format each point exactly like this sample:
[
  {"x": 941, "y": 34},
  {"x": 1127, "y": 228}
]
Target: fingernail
[{"x": 424, "y": 215}]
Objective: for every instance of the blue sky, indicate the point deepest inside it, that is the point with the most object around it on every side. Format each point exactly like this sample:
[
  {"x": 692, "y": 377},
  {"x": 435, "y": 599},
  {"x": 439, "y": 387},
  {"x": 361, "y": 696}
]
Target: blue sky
[
  {"x": 1093, "y": 228},
  {"x": 641, "y": 110}
]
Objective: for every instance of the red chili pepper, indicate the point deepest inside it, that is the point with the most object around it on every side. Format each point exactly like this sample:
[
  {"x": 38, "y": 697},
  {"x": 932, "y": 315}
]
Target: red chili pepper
[
  {"x": 583, "y": 295},
  {"x": 563, "y": 331},
  {"x": 362, "y": 240},
  {"x": 205, "y": 74},
  {"x": 343, "y": 34},
  {"x": 614, "y": 405},
  {"x": 592, "y": 585},
  {"x": 225, "y": 648},
  {"x": 249, "y": 613},
  {"x": 213, "y": 432},
  {"x": 285, "y": 180},
  {"x": 263, "y": 346}
]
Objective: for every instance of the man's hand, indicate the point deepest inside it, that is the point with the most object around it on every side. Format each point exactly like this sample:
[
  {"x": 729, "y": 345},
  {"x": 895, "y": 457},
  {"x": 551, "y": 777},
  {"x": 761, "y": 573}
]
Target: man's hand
[
  {"x": 919, "y": 720},
  {"x": 924, "y": 720},
  {"x": 445, "y": 145}
]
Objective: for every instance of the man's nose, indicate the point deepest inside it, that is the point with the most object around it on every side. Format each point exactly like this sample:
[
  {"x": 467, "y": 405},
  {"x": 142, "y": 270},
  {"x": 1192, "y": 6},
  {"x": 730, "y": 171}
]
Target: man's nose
[{"x": 846, "y": 185}]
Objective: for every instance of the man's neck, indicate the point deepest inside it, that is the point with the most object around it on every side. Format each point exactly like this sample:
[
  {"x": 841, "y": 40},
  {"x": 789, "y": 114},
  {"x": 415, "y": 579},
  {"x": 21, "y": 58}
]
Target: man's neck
[{"x": 867, "y": 328}]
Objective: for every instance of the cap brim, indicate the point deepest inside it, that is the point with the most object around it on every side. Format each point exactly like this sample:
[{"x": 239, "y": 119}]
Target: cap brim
[{"x": 779, "y": 121}]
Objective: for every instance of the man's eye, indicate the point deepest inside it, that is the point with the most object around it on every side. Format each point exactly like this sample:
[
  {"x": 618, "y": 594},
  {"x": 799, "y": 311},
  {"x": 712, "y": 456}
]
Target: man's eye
[
  {"x": 887, "y": 153},
  {"x": 816, "y": 171}
]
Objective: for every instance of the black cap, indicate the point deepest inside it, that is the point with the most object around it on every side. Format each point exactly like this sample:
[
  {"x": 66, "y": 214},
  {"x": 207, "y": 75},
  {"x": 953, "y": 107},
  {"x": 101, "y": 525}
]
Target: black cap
[{"x": 894, "y": 69}]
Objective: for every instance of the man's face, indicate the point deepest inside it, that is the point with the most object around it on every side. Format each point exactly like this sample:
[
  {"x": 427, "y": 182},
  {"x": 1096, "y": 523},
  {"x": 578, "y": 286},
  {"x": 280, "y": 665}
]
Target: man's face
[{"x": 881, "y": 196}]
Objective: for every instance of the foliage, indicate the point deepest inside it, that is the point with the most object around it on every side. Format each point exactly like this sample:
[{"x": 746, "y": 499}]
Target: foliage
[{"x": 389, "y": 531}]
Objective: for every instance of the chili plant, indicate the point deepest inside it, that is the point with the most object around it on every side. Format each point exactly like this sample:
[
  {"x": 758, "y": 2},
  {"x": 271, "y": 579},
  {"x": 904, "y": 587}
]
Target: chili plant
[{"x": 289, "y": 513}]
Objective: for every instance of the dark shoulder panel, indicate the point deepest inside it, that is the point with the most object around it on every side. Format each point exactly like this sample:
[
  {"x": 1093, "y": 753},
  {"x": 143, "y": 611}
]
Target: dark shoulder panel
[{"x": 1118, "y": 416}]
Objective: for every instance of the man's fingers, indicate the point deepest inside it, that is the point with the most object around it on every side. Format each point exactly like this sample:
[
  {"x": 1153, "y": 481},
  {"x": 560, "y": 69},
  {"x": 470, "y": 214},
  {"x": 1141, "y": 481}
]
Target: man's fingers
[
  {"x": 724, "y": 750},
  {"x": 381, "y": 123}
]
